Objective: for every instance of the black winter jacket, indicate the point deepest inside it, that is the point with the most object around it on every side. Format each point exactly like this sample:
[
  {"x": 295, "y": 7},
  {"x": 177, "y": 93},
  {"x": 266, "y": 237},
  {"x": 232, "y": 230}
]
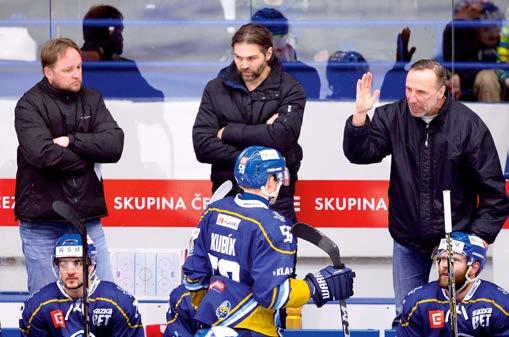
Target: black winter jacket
[
  {"x": 227, "y": 103},
  {"x": 455, "y": 152},
  {"x": 48, "y": 172}
]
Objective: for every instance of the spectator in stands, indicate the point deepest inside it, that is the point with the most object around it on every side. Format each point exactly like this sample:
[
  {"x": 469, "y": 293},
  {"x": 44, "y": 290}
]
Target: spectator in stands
[
  {"x": 344, "y": 69},
  {"x": 393, "y": 86},
  {"x": 503, "y": 57},
  {"x": 474, "y": 43},
  {"x": 436, "y": 143},
  {"x": 104, "y": 69},
  {"x": 57, "y": 309},
  {"x": 64, "y": 130},
  {"x": 277, "y": 23},
  {"x": 252, "y": 102},
  {"x": 482, "y": 307}
]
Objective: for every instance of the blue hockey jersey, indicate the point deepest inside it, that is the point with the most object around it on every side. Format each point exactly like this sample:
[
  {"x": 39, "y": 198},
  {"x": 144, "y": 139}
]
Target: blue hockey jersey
[
  {"x": 180, "y": 315},
  {"x": 483, "y": 312},
  {"x": 51, "y": 312},
  {"x": 244, "y": 254}
]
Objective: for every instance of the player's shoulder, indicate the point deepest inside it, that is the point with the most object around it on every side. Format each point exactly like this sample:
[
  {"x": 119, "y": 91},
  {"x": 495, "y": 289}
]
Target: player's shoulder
[
  {"x": 110, "y": 291},
  {"x": 42, "y": 298},
  {"x": 492, "y": 291},
  {"x": 421, "y": 294}
]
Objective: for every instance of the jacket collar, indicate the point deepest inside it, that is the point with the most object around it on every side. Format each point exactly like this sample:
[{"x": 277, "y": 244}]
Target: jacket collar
[
  {"x": 232, "y": 78},
  {"x": 57, "y": 93}
]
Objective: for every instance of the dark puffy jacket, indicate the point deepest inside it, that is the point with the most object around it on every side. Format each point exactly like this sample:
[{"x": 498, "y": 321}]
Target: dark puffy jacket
[
  {"x": 455, "y": 152},
  {"x": 227, "y": 103},
  {"x": 48, "y": 172}
]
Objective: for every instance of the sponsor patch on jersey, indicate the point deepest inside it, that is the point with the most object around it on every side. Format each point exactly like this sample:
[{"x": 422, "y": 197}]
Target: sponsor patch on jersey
[
  {"x": 57, "y": 317},
  {"x": 228, "y": 221},
  {"x": 436, "y": 319},
  {"x": 223, "y": 310},
  {"x": 218, "y": 286}
]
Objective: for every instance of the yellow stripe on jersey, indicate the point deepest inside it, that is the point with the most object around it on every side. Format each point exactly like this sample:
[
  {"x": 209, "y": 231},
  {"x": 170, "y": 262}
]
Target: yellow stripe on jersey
[
  {"x": 181, "y": 298},
  {"x": 481, "y": 299},
  {"x": 414, "y": 308},
  {"x": 197, "y": 296},
  {"x": 274, "y": 297},
  {"x": 258, "y": 223},
  {"x": 39, "y": 307},
  {"x": 260, "y": 320},
  {"x": 115, "y": 304},
  {"x": 299, "y": 293}
]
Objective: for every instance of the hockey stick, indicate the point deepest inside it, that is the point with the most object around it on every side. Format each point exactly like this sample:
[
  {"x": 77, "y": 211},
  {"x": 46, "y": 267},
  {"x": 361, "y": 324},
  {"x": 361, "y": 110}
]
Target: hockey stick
[
  {"x": 450, "y": 264},
  {"x": 314, "y": 236},
  {"x": 69, "y": 214},
  {"x": 221, "y": 191}
]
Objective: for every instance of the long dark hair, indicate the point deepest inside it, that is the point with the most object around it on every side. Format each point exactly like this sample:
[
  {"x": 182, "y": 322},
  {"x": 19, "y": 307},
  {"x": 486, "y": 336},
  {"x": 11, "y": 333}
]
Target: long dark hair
[{"x": 254, "y": 34}]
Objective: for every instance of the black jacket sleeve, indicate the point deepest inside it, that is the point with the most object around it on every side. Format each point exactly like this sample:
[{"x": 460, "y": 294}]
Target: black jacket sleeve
[
  {"x": 207, "y": 147},
  {"x": 493, "y": 206},
  {"x": 104, "y": 143},
  {"x": 36, "y": 142},
  {"x": 369, "y": 143},
  {"x": 282, "y": 134}
]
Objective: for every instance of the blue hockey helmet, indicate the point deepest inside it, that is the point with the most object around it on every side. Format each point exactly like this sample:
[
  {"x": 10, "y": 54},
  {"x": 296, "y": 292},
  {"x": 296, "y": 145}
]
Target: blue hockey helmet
[
  {"x": 468, "y": 245},
  {"x": 256, "y": 164},
  {"x": 71, "y": 245}
]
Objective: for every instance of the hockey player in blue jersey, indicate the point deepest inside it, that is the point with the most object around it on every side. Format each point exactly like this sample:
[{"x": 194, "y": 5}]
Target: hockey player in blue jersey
[
  {"x": 482, "y": 307},
  {"x": 57, "y": 309},
  {"x": 238, "y": 273}
]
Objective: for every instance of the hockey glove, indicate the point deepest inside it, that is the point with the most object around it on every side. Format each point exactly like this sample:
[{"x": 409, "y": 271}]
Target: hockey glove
[{"x": 330, "y": 284}]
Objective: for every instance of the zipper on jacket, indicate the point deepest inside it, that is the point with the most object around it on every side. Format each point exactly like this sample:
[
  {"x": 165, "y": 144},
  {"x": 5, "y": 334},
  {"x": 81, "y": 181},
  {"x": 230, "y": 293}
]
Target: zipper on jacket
[{"x": 427, "y": 135}]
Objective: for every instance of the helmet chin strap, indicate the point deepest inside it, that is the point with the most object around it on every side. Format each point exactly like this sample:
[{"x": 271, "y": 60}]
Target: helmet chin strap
[
  {"x": 468, "y": 280},
  {"x": 272, "y": 196}
]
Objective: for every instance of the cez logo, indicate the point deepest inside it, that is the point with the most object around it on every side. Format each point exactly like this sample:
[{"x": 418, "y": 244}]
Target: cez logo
[
  {"x": 57, "y": 317},
  {"x": 436, "y": 319}
]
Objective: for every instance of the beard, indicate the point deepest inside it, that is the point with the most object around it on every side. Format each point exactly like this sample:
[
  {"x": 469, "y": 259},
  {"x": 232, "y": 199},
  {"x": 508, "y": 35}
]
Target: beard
[
  {"x": 459, "y": 280},
  {"x": 253, "y": 75}
]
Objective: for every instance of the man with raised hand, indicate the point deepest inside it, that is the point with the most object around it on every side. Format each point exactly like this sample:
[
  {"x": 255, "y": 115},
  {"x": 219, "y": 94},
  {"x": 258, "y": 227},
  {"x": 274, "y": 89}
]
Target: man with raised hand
[{"x": 436, "y": 144}]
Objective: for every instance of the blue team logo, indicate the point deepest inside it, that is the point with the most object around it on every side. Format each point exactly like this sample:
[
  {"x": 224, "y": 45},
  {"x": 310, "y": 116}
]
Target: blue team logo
[{"x": 223, "y": 310}]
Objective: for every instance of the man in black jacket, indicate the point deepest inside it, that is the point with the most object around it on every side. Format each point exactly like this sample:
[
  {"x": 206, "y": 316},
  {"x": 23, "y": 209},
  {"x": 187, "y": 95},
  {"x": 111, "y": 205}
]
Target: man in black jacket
[
  {"x": 64, "y": 131},
  {"x": 252, "y": 102},
  {"x": 436, "y": 143}
]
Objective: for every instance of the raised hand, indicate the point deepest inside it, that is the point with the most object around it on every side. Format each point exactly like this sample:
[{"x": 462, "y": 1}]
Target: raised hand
[
  {"x": 403, "y": 54},
  {"x": 364, "y": 98}
]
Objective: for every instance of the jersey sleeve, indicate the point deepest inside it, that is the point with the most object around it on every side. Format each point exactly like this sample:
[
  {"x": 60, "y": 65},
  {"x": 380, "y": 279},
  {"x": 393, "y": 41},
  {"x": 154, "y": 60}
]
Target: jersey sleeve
[
  {"x": 273, "y": 263},
  {"x": 179, "y": 317},
  {"x": 31, "y": 323},
  {"x": 411, "y": 322}
]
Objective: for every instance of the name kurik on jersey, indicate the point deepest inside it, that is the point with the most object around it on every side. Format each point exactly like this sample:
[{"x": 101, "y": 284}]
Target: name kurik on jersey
[{"x": 222, "y": 244}]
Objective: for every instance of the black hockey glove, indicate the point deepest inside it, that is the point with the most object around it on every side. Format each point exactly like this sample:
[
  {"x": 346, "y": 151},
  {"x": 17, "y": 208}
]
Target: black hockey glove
[{"x": 330, "y": 284}]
